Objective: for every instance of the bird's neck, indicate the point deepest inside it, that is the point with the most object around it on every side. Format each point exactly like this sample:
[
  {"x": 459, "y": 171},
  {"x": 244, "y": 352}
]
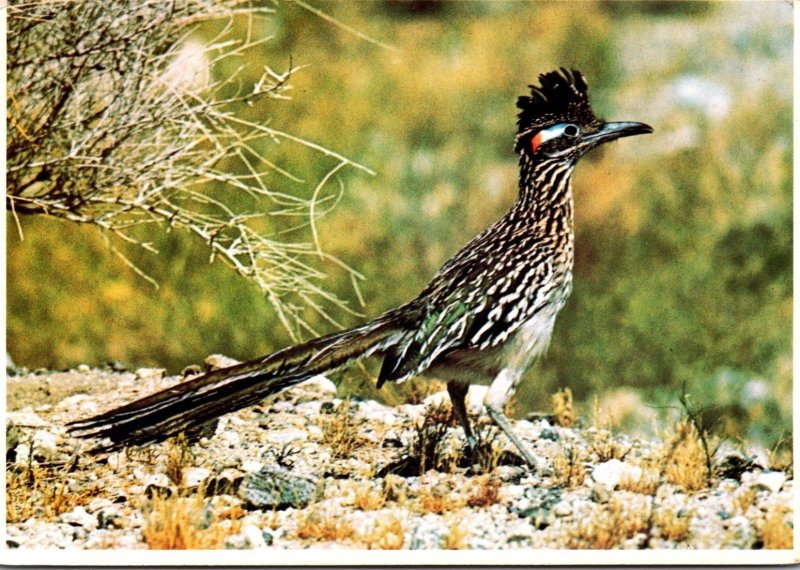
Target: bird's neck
[{"x": 545, "y": 191}]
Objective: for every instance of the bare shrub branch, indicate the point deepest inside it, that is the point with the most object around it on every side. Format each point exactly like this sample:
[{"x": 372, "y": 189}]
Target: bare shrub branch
[{"x": 117, "y": 119}]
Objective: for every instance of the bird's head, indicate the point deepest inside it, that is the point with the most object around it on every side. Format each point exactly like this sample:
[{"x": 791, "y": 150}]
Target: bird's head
[{"x": 557, "y": 122}]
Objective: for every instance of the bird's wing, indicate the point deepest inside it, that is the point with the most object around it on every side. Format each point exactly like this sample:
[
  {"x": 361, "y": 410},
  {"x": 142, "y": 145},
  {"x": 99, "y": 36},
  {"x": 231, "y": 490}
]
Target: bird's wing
[{"x": 464, "y": 307}]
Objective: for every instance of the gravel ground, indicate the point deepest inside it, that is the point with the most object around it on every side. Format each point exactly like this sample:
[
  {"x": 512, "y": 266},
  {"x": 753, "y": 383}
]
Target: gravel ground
[{"x": 308, "y": 470}]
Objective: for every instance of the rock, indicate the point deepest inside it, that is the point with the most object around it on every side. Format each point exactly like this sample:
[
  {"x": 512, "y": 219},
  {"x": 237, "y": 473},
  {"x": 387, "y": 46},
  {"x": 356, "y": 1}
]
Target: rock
[
  {"x": 45, "y": 444},
  {"x": 25, "y": 418},
  {"x": 436, "y": 399},
  {"x": 277, "y": 488},
  {"x": 475, "y": 398},
  {"x": 194, "y": 476},
  {"x": 770, "y": 480},
  {"x": 226, "y": 483},
  {"x": 428, "y": 534},
  {"x": 563, "y": 509},
  {"x": 79, "y": 404},
  {"x": 610, "y": 473},
  {"x": 79, "y": 517},
  {"x": 192, "y": 370},
  {"x": 98, "y": 503},
  {"x": 286, "y": 436},
  {"x": 84, "y": 368},
  {"x": 599, "y": 494},
  {"x": 217, "y": 361},
  {"x": 231, "y": 438},
  {"x": 254, "y": 536},
  {"x": 111, "y": 517},
  {"x": 734, "y": 465},
  {"x": 150, "y": 374},
  {"x": 251, "y": 466},
  {"x": 321, "y": 384}
]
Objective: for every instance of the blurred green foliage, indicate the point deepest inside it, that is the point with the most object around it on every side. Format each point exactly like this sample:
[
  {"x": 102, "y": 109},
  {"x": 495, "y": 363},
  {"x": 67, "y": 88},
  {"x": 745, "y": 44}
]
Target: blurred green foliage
[{"x": 684, "y": 240}]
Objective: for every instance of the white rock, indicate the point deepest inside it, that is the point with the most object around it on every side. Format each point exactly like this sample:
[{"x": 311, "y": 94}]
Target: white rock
[
  {"x": 475, "y": 398},
  {"x": 45, "y": 442},
  {"x": 610, "y": 473},
  {"x": 84, "y": 368},
  {"x": 98, "y": 503},
  {"x": 286, "y": 436},
  {"x": 321, "y": 384},
  {"x": 436, "y": 399},
  {"x": 217, "y": 361},
  {"x": 563, "y": 509},
  {"x": 251, "y": 466},
  {"x": 158, "y": 480},
  {"x": 231, "y": 438},
  {"x": 79, "y": 404},
  {"x": 254, "y": 536},
  {"x": 23, "y": 453},
  {"x": 25, "y": 418},
  {"x": 771, "y": 480},
  {"x": 79, "y": 517},
  {"x": 147, "y": 374},
  {"x": 193, "y": 476}
]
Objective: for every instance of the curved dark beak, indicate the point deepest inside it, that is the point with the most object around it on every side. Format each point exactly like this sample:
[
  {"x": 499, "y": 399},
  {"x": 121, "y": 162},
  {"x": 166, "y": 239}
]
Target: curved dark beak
[{"x": 613, "y": 131}]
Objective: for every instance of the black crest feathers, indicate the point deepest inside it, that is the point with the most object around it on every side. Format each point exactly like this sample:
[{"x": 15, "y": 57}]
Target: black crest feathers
[{"x": 561, "y": 97}]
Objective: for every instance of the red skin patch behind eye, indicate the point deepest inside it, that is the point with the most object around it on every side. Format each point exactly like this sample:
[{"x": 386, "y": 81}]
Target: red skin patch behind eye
[{"x": 536, "y": 141}]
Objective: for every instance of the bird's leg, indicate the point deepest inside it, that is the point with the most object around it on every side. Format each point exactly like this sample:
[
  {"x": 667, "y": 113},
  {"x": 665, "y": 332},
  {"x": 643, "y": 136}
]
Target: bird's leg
[
  {"x": 498, "y": 395},
  {"x": 458, "y": 393}
]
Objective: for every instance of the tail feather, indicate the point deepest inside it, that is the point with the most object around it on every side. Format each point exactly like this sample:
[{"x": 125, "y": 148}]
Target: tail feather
[{"x": 189, "y": 406}]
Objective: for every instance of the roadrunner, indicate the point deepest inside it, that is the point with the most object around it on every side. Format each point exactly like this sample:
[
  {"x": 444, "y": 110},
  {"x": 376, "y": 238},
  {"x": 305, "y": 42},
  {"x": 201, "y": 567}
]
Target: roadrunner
[{"x": 484, "y": 318}]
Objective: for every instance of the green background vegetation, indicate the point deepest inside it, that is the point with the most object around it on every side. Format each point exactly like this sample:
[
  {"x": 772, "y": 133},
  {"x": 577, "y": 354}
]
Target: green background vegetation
[{"x": 684, "y": 237}]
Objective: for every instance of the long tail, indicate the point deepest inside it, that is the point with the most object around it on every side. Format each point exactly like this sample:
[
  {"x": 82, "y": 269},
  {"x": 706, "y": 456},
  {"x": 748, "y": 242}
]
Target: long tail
[{"x": 191, "y": 406}]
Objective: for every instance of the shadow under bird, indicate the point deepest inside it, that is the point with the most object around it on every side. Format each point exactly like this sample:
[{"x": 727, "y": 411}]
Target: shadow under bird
[{"x": 484, "y": 318}]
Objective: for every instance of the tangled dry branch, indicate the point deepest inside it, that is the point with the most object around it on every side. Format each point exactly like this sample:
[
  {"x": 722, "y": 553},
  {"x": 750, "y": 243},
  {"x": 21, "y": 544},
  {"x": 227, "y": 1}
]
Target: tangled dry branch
[{"x": 117, "y": 119}]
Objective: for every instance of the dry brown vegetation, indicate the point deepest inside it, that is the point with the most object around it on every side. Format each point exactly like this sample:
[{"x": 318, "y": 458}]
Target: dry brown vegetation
[
  {"x": 568, "y": 469},
  {"x": 316, "y": 525},
  {"x": 778, "y": 532},
  {"x": 388, "y": 533},
  {"x": 186, "y": 523},
  {"x": 43, "y": 492},
  {"x": 685, "y": 459},
  {"x": 673, "y": 524},
  {"x": 487, "y": 492},
  {"x": 564, "y": 408},
  {"x": 609, "y": 525},
  {"x": 339, "y": 432},
  {"x": 438, "y": 501}
]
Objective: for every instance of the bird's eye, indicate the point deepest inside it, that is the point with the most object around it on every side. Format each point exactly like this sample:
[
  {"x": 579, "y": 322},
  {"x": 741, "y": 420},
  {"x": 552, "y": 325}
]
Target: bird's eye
[{"x": 571, "y": 130}]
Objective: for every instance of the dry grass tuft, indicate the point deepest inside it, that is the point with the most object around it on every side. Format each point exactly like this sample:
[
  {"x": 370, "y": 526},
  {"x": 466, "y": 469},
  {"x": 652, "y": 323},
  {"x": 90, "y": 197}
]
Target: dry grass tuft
[
  {"x": 427, "y": 447},
  {"x": 778, "y": 531},
  {"x": 568, "y": 469},
  {"x": 685, "y": 461},
  {"x": 646, "y": 484},
  {"x": 564, "y": 408},
  {"x": 603, "y": 444},
  {"x": 455, "y": 537},
  {"x": 36, "y": 491},
  {"x": 438, "y": 502},
  {"x": 610, "y": 525},
  {"x": 673, "y": 525},
  {"x": 744, "y": 499},
  {"x": 367, "y": 498},
  {"x": 179, "y": 523},
  {"x": 317, "y": 526},
  {"x": 178, "y": 456},
  {"x": 387, "y": 534},
  {"x": 339, "y": 432},
  {"x": 487, "y": 493}
]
